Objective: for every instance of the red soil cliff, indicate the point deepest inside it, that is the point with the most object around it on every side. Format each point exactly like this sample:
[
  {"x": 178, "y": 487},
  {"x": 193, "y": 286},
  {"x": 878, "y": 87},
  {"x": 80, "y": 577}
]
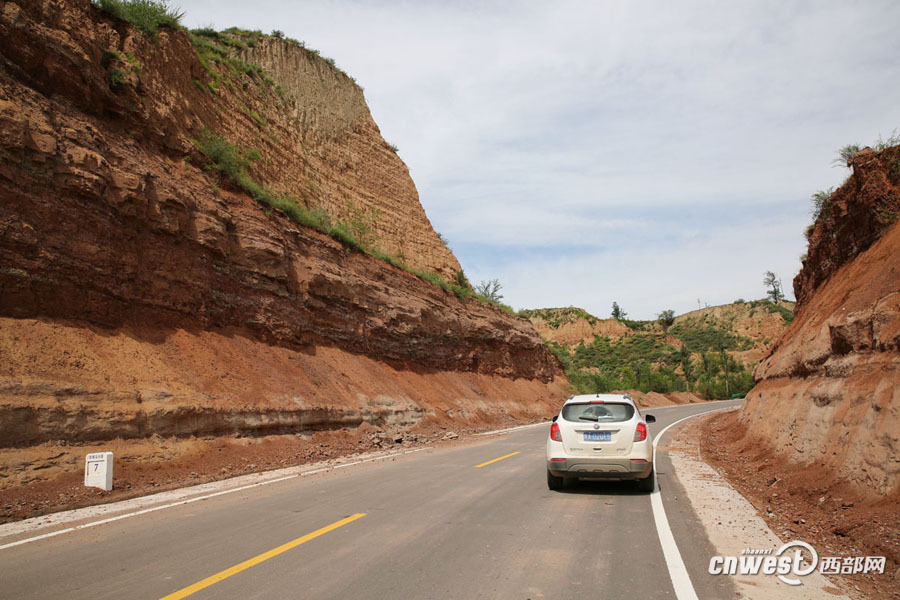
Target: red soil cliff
[
  {"x": 141, "y": 293},
  {"x": 828, "y": 393}
]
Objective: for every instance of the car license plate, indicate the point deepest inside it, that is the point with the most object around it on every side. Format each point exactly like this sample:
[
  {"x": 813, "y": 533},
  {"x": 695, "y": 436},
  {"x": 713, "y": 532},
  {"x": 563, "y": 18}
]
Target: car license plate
[{"x": 597, "y": 436}]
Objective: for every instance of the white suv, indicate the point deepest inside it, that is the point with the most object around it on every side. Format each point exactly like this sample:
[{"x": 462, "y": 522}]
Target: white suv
[{"x": 600, "y": 436}]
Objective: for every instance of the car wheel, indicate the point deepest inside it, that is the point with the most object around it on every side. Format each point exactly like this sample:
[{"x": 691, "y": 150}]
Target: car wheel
[
  {"x": 554, "y": 482},
  {"x": 646, "y": 484}
]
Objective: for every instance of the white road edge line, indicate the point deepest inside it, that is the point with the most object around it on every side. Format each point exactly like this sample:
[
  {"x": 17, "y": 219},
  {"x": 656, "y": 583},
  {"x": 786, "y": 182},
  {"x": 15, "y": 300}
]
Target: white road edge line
[
  {"x": 499, "y": 431},
  {"x": 681, "y": 581},
  {"x": 198, "y": 498}
]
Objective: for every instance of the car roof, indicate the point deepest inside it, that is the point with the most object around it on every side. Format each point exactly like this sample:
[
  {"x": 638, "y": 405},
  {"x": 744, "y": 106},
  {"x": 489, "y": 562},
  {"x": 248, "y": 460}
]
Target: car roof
[{"x": 602, "y": 397}]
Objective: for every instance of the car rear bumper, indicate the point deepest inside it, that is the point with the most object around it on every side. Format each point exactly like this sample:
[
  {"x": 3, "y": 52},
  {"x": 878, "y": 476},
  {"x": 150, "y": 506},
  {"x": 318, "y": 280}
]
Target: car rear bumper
[{"x": 600, "y": 468}]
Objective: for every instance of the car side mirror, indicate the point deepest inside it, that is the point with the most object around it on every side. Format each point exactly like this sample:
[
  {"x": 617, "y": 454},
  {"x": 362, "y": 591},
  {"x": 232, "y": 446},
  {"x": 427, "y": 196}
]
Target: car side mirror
[
  {"x": 650, "y": 419},
  {"x": 555, "y": 417}
]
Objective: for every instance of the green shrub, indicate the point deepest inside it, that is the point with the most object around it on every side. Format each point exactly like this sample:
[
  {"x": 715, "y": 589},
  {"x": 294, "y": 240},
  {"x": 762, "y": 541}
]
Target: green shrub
[
  {"x": 259, "y": 120},
  {"x": 821, "y": 203},
  {"x": 146, "y": 15},
  {"x": 117, "y": 79},
  {"x": 207, "y": 32},
  {"x": 638, "y": 325},
  {"x": 846, "y": 154},
  {"x": 226, "y": 158}
]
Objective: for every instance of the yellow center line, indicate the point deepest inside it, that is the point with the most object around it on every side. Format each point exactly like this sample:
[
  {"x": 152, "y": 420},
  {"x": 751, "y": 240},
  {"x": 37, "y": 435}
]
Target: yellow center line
[
  {"x": 191, "y": 589},
  {"x": 495, "y": 460}
]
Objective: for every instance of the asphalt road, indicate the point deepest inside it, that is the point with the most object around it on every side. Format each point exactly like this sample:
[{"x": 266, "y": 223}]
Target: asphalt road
[{"x": 433, "y": 525}]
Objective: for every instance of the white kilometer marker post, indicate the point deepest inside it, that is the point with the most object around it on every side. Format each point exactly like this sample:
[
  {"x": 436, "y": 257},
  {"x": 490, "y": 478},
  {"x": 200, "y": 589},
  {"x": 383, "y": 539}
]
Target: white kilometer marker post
[{"x": 98, "y": 470}]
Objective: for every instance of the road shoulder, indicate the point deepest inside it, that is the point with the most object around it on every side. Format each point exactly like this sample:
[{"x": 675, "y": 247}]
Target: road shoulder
[{"x": 729, "y": 522}]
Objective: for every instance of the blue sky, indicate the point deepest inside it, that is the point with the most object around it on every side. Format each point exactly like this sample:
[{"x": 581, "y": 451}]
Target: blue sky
[{"x": 655, "y": 154}]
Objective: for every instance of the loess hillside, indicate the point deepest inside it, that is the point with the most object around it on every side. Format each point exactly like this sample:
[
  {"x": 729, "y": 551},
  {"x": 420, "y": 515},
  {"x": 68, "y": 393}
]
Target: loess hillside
[{"x": 689, "y": 355}]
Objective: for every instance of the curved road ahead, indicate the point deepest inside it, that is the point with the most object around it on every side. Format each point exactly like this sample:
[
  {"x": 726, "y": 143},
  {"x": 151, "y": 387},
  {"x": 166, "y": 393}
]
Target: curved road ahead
[{"x": 431, "y": 524}]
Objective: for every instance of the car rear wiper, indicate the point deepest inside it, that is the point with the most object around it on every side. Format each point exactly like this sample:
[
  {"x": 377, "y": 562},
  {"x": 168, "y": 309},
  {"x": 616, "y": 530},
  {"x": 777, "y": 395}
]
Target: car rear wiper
[{"x": 589, "y": 418}]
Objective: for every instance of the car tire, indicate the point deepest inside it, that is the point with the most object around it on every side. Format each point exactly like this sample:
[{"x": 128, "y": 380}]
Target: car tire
[
  {"x": 646, "y": 484},
  {"x": 554, "y": 482}
]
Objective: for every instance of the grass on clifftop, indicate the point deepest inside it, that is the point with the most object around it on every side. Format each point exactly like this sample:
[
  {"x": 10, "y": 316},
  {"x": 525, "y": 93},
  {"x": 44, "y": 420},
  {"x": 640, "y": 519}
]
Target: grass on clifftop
[
  {"x": 146, "y": 15},
  {"x": 221, "y": 47},
  {"x": 234, "y": 163},
  {"x": 556, "y": 317}
]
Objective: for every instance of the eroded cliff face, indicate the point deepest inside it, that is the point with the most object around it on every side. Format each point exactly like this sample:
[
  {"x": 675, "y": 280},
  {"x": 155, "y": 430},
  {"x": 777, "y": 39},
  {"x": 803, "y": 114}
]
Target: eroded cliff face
[
  {"x": 193, "y": 308},
  {"x": 308, "y": 120},
  {"x": 347, "y": 168},
  {"x": 828, "y": 394}
]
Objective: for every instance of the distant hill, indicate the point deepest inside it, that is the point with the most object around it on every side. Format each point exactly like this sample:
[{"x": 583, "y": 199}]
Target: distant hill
[{"x": 691, "y": 354}]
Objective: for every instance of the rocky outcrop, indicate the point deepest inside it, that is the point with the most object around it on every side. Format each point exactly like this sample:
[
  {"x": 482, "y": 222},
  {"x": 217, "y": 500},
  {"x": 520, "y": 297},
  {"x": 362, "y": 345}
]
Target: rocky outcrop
[
  {"x": 828, "y": 393},
  {"x": 852, "y": 219},
  {"x": 110, "y": 219},
  {"x": 576, "y": 331}
]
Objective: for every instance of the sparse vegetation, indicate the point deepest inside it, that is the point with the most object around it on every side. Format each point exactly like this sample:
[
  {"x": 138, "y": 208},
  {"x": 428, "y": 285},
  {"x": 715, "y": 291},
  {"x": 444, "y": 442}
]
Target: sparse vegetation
[
  {"x": 358, "y": 234},
  {"x": 117, "y": 79},
  {"x": 638, "y": 325},
  {"x": 217, "y": 52},
  {"x": 699, "y": 361},
  {"x": 617, "y": 312},
  {"x": 490, "y": 290},
  {"x": 771, "y": 281},
  {"x": 393, "y": 148},
  {"x": 821, "y": 203},
  {"x": 845, "y": 155},
  {"x": 258, "y": 119},
  {"x": 556, "y": 317},
  {"x": 888, "y": 142},
  {"x": 666, "y": 318},
  {"x": 146, "y": 15}
]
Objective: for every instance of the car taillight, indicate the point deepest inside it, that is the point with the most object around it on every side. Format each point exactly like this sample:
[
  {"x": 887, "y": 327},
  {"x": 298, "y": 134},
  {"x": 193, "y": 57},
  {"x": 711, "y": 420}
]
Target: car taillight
[
  {"x": 555, "y": 435},
  {"x": 640, "y": 432}
]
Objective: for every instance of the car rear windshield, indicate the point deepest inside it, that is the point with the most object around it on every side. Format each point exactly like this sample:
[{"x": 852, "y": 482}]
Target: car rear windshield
[{"x": 607, "y": 412}]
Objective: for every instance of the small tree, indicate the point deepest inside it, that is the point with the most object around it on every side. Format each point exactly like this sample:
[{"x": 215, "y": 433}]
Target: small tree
[
  {"x": 666, "y": 318},
  {"x": 772, "y": 281},
  {"x": 490, "y": 290},
  {"x": 617, "y": 313}
]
